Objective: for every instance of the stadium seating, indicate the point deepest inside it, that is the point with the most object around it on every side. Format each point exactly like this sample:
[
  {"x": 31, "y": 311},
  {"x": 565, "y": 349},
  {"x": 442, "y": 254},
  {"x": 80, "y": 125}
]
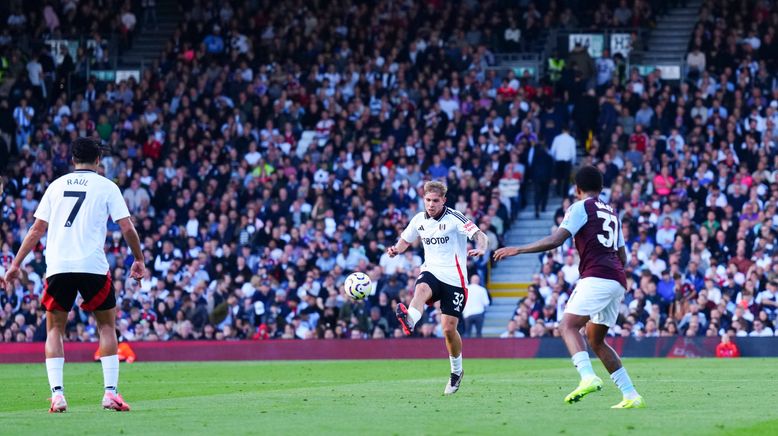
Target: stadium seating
[{"x": 268, "y": 152}]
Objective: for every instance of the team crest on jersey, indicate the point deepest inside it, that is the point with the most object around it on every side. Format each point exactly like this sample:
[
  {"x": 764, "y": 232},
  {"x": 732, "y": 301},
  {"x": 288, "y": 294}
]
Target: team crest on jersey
[{"x": 442, "y": 227}]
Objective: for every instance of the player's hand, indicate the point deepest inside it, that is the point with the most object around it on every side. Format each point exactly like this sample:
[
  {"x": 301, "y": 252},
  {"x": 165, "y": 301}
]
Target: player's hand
[
  {"x": 504, "y": 252},
  {"x": 392, "y": 251},
  {"x": 475, "y": 252},
  {"x": 10, "y": 276},
  {"x": 137, "y": 270}
]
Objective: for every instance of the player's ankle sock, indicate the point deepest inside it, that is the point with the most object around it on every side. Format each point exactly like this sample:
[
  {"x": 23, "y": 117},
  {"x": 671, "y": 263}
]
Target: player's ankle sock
[
  {"x": 583, "y": 364},
  {"x": 110, "y": 372},
  {"x": 414, "y": 315},
  {"x": 622, "y": 380},
  {"x": 54, "y": 367},
  {"x": 456, "y": 364}
]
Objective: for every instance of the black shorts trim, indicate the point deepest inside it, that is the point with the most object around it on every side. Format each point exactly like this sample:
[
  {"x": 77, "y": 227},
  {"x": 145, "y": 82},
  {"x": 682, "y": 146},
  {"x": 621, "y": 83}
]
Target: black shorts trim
[
  {"x": 452, "y": 298},
  {"x": 60, "y": 291}
]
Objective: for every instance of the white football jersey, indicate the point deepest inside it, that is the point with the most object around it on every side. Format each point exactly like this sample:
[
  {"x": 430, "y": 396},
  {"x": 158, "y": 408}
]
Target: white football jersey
[
  {"x": 77, "y": 207},
  {"x": 445, "y": 244}
]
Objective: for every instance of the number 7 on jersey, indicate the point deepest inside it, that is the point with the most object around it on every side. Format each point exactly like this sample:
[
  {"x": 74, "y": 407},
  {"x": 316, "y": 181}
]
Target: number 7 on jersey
[{"x": 80, "y": 196}]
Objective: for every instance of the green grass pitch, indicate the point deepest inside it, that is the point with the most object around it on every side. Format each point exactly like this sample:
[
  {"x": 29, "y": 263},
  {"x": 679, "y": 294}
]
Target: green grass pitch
[{"x": 401, "y": 397}]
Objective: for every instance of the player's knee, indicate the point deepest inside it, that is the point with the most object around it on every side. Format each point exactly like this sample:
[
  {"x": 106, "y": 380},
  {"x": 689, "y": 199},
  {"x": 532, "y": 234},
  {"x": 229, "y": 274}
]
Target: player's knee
[
  {"x": 422, "y": 291},
  {"x": 567, "y": 324},
  {"x": 449, "y": 329}
]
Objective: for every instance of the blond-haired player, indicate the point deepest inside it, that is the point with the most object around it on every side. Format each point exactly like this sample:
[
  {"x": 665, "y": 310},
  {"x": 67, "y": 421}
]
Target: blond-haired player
[{"x": 443, "y": 233}]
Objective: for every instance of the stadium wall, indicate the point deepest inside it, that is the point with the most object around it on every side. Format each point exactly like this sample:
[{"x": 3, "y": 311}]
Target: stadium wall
[{"x": 677, "y": 347}]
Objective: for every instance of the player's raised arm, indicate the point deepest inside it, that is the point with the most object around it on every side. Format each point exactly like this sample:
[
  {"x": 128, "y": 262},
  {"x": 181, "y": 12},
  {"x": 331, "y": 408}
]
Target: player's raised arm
[
  {"x": 407, "y": 237},
  {"x": 550, "y": 242},
  {"x": 399, "y": 247}
]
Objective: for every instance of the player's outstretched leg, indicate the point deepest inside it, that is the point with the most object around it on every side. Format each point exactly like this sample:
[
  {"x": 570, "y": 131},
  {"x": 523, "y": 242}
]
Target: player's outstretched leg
[
  {"x": 106, "y": 324},
  {"x": 610, "y": 359},
  {"x": 55, "y": 359},
  {"x": 570, "y": 329},
  {"x": 409, "y": 316},
  {"x": 454, "y": 346}
]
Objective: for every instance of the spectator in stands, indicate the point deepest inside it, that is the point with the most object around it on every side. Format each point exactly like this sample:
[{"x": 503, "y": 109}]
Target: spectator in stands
[
  {"x": 383, "y": 120},
  {"x": 564, "y": 151},
  {"x": 477, "y": 301}
]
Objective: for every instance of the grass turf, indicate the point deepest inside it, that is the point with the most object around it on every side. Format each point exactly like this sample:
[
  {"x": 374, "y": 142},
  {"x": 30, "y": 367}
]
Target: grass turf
[{"x": 395, "y": 397}]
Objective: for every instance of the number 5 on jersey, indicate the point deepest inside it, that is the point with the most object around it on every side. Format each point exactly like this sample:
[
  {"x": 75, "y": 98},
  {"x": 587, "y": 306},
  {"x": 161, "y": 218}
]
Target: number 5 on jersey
[
  {"x": 80, "y": 200},
  {"x": 610, "y": 226}
]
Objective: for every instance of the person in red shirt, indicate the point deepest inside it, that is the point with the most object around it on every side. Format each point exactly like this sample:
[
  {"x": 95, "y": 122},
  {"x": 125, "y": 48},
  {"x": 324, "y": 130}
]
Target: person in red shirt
[
  {"x": 506, "y": 91},
  {"x": 727, "y": 348},
  {"x": 639, "y": 138}
]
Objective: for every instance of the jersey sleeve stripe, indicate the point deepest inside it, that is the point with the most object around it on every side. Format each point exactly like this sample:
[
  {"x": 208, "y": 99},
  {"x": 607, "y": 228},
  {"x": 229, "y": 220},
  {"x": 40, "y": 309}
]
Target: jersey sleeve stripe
[{"x": 457, "y": 215}]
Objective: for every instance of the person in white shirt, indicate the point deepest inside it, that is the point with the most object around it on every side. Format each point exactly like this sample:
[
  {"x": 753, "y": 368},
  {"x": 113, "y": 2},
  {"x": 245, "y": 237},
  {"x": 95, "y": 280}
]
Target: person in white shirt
[
  {"x": 570, "y": 270},
  {"x": 443, "y": 233},
  {"x": 23, "y": 115},
  {"x": 72, "y": 215},
  {"x": 475, "y": 307},
  {"x": 512, "y": 331},
  {"x": 760, "y": 330},
  {"x": 605, "y": 68},
  {"x": 563, "y": 150}
]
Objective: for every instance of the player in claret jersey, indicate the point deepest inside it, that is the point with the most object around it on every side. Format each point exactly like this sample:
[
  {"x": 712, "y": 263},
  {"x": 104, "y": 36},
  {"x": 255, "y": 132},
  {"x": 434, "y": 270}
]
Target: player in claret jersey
[
  {"x": 595, "y": 300},
  {"x": 73, "y": 213},
  {"x": 443, "y": 233}
]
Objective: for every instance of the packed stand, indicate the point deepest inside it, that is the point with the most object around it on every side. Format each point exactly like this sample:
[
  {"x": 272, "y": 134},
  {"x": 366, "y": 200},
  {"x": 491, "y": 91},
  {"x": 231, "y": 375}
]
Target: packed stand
[
  {"x": 691, "y": 168},
  {"x": 271, "y": 151}
]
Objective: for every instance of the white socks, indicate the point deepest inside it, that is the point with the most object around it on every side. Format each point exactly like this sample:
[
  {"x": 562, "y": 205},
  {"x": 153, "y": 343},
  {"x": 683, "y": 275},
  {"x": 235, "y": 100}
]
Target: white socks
[
  {"x": 54, "y": 367},
  {"x": 414, "y": 315},
  {"x": 110, "y": 372},
  {"x": 456, "y": 364},
  {"x": 622, "y": 380},
  {"x": 583, "y": 364}
]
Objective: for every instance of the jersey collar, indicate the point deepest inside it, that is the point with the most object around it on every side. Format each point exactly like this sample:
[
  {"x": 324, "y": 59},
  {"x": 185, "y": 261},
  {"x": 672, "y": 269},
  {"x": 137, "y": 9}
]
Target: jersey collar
[
  {"x": 84, "y": 171},
  {"x": 427, "y": 216}
]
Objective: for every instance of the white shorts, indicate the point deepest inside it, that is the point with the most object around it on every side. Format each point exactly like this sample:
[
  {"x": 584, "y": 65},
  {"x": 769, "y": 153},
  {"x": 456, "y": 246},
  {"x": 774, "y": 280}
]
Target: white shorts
[{"x": 596, "y": 298}]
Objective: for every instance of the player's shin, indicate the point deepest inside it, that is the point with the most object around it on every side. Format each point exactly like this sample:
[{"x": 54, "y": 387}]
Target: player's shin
[
  {"x": 414, "y": 316},
  {"x": 54, "y": 367},
  {"x": 456, "y": 364},
  {"x": 623, "y": 381},
  {"x": 110, "y": 372},
  {"x": 583, "y": 364}
]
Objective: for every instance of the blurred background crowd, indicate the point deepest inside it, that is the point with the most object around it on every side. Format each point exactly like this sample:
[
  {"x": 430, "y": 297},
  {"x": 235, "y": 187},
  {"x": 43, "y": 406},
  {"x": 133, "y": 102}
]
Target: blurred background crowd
[{"x": 273, "y": 148}]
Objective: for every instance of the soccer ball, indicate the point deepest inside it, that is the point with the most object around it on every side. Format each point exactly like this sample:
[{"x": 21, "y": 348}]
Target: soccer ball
[{"x": 357, "y": 285}]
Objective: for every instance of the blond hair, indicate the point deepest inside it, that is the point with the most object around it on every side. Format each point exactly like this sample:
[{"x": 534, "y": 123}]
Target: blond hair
[{"x": 436, "y": 187}]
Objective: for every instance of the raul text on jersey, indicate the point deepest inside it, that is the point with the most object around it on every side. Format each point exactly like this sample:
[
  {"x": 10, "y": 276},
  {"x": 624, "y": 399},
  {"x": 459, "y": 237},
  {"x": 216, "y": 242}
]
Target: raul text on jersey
[{"x": 82, "y": 182}]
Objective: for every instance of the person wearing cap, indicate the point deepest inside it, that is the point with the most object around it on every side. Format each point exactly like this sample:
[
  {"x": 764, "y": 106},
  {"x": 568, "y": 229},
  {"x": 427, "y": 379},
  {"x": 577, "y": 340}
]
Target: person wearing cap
[{"x": 73, "y": 214}]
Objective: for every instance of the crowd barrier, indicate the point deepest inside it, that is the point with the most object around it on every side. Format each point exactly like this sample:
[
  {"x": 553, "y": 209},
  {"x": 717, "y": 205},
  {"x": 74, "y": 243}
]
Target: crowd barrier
[{"x": 674, "y": 347}]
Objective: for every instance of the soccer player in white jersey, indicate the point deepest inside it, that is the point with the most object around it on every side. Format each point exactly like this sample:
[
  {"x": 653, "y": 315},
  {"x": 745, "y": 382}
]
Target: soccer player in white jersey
[
  {"x": 443, "y": 233},
  {"x": 75, "y": 209}
]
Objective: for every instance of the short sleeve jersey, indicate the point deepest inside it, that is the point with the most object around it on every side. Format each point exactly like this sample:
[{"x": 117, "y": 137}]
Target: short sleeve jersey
[
  {"x": 77, "y": 207},
  {"x": 597, "y": 234},
  {"x": 445, "y": 244}
]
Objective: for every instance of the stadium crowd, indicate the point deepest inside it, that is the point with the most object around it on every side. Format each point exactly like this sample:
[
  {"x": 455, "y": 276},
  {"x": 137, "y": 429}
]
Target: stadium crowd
[{"x": 271, "y": 151}]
